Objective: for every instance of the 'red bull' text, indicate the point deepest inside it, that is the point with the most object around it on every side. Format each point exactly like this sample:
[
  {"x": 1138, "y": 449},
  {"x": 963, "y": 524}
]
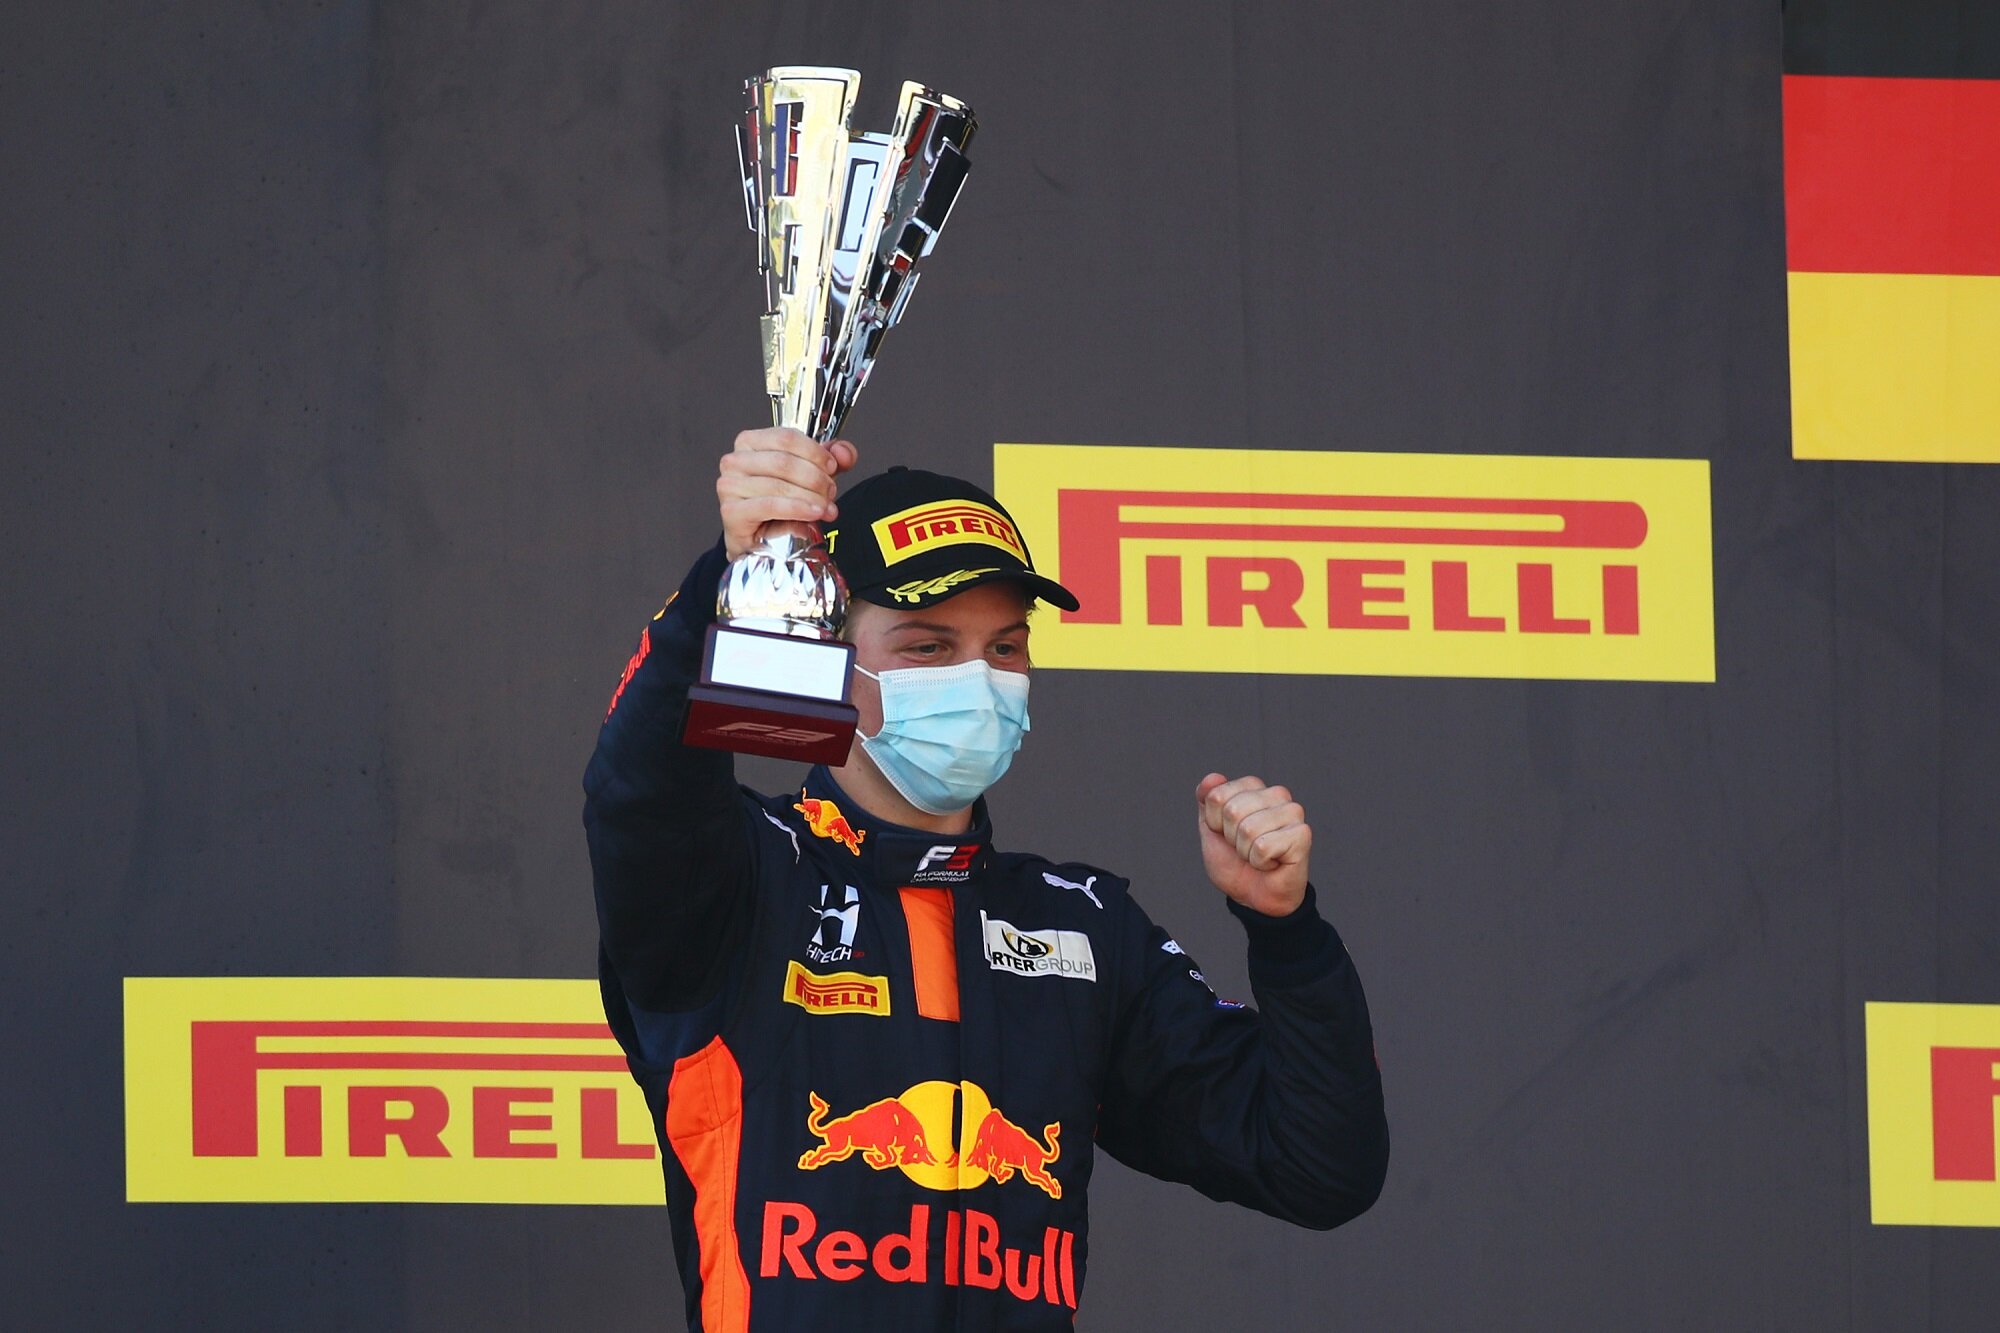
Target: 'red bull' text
[{"x": 971, "y": 1253}]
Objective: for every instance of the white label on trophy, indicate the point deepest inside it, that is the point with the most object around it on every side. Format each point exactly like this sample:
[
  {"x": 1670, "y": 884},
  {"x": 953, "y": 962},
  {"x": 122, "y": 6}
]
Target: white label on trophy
[{"x": 809, "y": 668}]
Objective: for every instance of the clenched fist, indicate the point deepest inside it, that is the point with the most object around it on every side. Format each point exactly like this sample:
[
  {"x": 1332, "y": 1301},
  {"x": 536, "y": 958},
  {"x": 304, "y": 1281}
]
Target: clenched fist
[
  {"x": 777, "y": 475},
  {"x": 1254, "y": 842}
]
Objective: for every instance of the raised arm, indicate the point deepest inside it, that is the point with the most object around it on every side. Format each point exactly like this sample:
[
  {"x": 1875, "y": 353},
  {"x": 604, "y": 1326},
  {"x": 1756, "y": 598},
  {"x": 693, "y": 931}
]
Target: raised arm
[
  {"x": 1279, "y": 1109},
  {"x": 669, "y": 848}
]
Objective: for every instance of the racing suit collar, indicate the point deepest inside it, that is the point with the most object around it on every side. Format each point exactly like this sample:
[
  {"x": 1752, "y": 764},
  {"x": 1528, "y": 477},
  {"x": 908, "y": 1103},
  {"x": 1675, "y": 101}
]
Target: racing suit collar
[{"x": 895, "y": 854}]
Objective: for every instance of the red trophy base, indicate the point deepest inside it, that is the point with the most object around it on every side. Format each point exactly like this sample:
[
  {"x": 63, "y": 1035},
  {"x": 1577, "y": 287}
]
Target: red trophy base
[{"x": 772, "y": 695}]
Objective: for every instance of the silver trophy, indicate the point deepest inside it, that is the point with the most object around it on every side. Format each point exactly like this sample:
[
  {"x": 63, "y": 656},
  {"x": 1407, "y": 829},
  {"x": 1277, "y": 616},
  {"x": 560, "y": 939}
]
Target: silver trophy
[{"x": 842, "y": 221}]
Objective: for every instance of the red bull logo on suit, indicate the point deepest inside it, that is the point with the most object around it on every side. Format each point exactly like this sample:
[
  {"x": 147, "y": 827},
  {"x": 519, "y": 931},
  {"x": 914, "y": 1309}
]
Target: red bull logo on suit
[
  {"x": 886, "y": 1133},
  {"x": 972, "y": 1252},
  {"x": 825, "y": 819},
  {"x": 913, "y": 1132},
  {"x": 1001, "y": 1147}
]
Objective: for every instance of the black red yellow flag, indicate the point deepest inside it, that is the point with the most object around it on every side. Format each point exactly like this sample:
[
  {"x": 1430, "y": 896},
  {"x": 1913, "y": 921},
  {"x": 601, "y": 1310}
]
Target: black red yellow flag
[{"x": 1892, "y": 220}]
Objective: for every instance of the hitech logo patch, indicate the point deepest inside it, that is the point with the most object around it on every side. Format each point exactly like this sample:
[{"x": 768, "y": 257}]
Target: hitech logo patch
[
  {"x": 834, "y": 922},
  {"x": 1933, "y": 1091},
  {"x": 1275, "y": 561},
  {"x": 379, "y": 1089}
]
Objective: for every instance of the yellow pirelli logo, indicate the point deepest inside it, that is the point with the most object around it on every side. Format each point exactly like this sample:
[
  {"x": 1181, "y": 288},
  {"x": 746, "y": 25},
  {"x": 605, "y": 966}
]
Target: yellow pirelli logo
[
  {"x": 379, "y": 1089},
  {"x": 946, "y": 523},
  {"x": 1933, "y": 1090},
  {"x": 836, "y": 992},
  {"x": 1274, "y": 561}
]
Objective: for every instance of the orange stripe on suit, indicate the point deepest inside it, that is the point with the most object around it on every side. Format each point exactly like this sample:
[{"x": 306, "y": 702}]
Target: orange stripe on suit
[
  {"x": 933, "y": 964},
  {"x": 705, "y": 1126}
]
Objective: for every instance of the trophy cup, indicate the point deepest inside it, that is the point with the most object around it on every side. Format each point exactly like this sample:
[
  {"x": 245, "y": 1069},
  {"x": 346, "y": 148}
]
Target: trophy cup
[{"x": 842, "y": 221}]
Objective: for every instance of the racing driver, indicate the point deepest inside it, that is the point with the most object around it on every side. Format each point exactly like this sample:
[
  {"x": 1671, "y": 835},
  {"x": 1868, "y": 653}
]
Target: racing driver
[{"x": 877, "y": 1049}]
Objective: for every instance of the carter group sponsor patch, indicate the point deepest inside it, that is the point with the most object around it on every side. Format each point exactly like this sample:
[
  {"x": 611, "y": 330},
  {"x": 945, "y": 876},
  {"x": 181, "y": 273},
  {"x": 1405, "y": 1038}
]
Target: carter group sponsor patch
[{"x": 1037, "y": 953}]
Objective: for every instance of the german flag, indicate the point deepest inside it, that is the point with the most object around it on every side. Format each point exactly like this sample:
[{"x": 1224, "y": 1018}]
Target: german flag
[{"x": 1892, "y": 206}]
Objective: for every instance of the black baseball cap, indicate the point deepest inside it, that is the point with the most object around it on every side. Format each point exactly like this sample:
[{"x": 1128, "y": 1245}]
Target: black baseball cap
[{"x": 908, "y": 538}]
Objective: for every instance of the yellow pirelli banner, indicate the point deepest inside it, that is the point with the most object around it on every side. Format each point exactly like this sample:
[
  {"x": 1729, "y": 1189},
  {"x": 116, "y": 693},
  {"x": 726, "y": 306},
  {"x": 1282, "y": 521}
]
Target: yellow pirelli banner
[
  {"x": 379, "y": 1089},
  {"x": 1280, "y": 561},
  {"x": 1933, "y": 1091}
]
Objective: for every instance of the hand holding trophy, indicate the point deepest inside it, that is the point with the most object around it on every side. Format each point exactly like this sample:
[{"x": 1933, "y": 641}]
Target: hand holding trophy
[{"x": 842, "y": 221}]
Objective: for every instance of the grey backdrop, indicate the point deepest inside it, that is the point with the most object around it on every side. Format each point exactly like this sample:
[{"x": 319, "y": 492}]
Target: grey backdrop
[{"x": 365, "y": 370}]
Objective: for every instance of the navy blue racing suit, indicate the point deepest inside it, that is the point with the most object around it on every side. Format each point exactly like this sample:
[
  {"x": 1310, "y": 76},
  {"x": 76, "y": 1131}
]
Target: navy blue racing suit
[{"x": 878, "y": 1058}]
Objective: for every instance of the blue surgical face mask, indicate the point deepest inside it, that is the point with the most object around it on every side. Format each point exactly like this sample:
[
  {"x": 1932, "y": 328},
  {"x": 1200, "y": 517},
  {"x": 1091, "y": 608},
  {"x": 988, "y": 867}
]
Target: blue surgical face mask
[{"x": 948, "y": 733}]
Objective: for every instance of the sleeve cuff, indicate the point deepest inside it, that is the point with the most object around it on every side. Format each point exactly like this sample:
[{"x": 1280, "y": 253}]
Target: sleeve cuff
[
  {"x": 1290, "y": 950},
  {"x": 650, "y": 698}
]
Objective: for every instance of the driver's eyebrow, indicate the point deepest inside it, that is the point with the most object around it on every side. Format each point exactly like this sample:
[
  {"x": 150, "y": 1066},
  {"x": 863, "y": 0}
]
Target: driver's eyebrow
[
  {"x": 929, "y": 626},
  {"x": 1019, "y": 624}
]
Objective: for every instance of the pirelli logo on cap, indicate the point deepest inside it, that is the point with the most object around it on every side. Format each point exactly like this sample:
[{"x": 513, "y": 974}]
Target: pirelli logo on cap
[
  {"x": 379, "y": 1089},
  {"x": 836, "y": 992},
  {"x": 1934, "y": 1114},
  {"x": 946, "y": 523},
  {"x": 1275, "y": 561}
]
